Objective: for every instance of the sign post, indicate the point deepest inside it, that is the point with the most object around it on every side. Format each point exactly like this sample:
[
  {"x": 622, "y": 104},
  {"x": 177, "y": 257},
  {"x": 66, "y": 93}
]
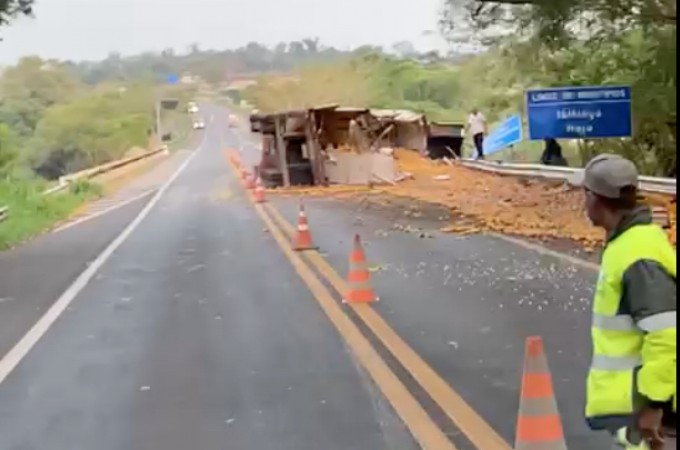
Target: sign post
[
  {"x": 161, "y": 104},
  {"x": 508, "y": 133},
  {"x": 172, "y": 79},
  {"x": 580, "y": 112}
]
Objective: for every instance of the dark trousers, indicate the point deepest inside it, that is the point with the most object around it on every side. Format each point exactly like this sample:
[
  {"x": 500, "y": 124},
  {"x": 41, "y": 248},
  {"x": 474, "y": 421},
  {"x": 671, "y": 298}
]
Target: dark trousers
[{"x": 479, "y": 145}]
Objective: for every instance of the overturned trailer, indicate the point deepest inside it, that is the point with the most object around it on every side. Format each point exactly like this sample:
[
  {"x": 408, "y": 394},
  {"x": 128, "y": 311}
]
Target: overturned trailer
[
  {"x": 290, "y": 154},
  {"x": 335, "y": 145}
]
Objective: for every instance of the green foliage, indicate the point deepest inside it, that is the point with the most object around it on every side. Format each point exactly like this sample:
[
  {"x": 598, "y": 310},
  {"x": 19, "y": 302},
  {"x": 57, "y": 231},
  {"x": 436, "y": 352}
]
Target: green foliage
[
  {"x": 406, "y": 83},
  {"x": 214, "y": 67},
  {"x": 584, "y": 42},
  {"x": 93, "y": 129},
  {"x": 646, "y": 60},
  {"x": 51, "y": 124},
  {"x": 8, "y": 149},
  {"x": 31, "y": 87},
  {"x": 31, "y": 212},
  {"x": 554, "y": 22},
  {"x": 495, "y": 82},
  {"x": 313, "y": 86},
  {"x": 9, "y": 9},
  {"x": 86, "y": 188},
  {"x": 367, "y": 80}
]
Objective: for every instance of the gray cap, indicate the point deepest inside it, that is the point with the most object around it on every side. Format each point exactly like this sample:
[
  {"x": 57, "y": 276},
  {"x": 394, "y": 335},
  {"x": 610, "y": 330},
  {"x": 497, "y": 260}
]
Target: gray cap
[{"x": 606, "y": 175}]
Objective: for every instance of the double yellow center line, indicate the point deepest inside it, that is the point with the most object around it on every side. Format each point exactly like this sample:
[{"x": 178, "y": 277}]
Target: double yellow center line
[{"x": 420, "y": 424}]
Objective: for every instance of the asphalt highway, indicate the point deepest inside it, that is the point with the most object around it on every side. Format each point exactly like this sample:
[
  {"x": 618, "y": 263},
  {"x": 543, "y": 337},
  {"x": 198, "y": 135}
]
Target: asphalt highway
[{"x": 184, "y": 321}]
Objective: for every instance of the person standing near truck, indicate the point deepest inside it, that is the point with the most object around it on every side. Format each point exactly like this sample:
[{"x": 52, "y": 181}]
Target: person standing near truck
[
  {"x": 477, "y": 128},
  {"x": 552, "y": 155},
  {"x": 632, "y": 385}
]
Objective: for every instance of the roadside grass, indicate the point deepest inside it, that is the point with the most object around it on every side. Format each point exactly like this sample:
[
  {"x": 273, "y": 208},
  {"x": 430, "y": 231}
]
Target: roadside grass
[{"x": 31, "y": 213}]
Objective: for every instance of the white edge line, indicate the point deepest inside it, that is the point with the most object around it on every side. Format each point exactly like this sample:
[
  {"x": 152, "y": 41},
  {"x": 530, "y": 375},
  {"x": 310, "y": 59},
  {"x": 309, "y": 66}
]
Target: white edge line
[
  {"x": 103, "y": 212},
  {"x": 14, "y": 357},
  {"x": 546, "y": 251}
]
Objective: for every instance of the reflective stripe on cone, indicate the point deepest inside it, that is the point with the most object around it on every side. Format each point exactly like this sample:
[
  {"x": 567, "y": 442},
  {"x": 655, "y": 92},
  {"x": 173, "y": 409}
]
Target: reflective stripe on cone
[
  {"x": 539, "y": 426},
  {"x": 359, "y": 277}
]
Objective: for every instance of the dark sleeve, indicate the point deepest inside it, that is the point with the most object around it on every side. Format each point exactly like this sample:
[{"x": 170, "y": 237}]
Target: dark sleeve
[
  {"x": 650, "y": 297},
  {"x": 648, "y": 290}
]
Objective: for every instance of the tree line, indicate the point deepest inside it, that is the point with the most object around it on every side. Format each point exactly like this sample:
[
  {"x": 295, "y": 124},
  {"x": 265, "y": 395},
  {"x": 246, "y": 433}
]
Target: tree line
[
  {"x": 581, "y": 42},
  {"x": 51, "y": 123},
  {"x": 520, "y": 44},
  {"x": 218, "y": 66}
]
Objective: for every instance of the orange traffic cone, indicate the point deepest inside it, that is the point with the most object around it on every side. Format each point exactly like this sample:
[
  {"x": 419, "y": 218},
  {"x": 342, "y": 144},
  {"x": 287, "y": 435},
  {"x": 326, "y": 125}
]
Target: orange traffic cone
[
  {"x": 359, "y": 278},
  {"x": 259, "y": 192},
  {"x": 539, "y": 425},
  {"x": 303, "y": 240}
]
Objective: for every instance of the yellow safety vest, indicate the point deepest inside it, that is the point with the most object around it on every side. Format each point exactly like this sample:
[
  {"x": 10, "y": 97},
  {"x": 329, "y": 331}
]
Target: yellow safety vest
[{"x": 614, "y": 381}]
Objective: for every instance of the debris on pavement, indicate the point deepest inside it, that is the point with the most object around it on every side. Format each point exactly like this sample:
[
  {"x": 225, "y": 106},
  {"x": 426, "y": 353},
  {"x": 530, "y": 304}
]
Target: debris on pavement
[
  {"x": 522, "y": 207},
  {"x": 549, "y": 212},
  {"x": 378, "y": 268}
]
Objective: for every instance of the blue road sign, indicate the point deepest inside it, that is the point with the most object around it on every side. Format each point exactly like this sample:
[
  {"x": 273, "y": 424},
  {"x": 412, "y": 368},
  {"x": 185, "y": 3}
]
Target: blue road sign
[
  {"x": 172, "y": 79},
  {"x": 508, "y": 133},
  {"x": 580, "y": 112}
]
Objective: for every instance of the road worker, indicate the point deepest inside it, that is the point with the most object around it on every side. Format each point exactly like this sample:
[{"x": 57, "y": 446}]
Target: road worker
[{"x": 632, "y": 385}]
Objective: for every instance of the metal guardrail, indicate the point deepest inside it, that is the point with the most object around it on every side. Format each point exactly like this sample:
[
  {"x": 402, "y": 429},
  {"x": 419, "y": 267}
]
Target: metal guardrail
[
  {"x": 65, "y": 182},
  {"x": 647, "y": 184},
  {"x": 88, "y": 174}
]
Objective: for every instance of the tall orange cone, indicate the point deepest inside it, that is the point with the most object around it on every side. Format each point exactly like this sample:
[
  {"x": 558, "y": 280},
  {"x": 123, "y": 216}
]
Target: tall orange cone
[
  {"x": 359, "y": 278},
  {"x": 259, "y": 192},
  {"x": 539, "y": 425},
  {"x": 303, "y": 240}
]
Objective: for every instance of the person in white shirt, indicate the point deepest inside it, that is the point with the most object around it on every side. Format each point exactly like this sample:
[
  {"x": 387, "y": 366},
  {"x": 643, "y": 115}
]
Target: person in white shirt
[{"x": 477, "y": 127}]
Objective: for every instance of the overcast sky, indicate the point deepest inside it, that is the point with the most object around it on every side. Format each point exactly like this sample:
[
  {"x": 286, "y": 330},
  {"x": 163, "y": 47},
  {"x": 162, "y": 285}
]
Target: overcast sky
[{"x": 91, "y": 29}]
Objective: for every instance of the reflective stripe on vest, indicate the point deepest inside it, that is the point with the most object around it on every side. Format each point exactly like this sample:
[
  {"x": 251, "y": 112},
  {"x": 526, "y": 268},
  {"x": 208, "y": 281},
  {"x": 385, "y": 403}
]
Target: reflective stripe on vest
[
  {"x": 616, "y": 323},
  {"x": 616, "y": 364},
  {"x": 651, "y": 324},
  {"x": 618, "y": 340},
  {"x": 659, "y": 322}
]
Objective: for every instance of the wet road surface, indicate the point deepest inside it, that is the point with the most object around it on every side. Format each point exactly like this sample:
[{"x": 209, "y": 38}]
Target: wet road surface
[{"x": 199, "y": 333}]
